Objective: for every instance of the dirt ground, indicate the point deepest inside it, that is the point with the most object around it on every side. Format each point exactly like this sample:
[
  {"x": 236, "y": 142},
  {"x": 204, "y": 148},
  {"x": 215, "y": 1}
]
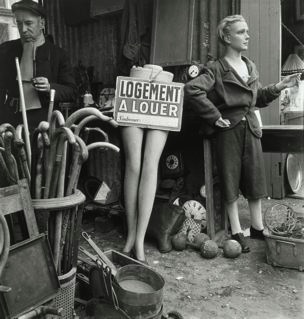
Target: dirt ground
[{"x": 242, "y": 288}]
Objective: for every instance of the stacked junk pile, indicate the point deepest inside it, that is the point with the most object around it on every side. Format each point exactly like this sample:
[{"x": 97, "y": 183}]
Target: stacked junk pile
[
  {"x": 40, "y": 225},
  {"x": 38, "y": 267}
]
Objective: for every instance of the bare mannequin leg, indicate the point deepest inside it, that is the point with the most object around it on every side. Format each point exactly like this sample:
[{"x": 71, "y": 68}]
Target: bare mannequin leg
[
  {"x": 233, "y": 213},
  {"x": 132, "y": 141},
  {"x": 155, "y": 142},
  {"x": 255, "y": 207}
]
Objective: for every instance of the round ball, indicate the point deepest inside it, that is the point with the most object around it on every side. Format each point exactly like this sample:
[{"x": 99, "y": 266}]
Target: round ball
[
  {"x": 199, "y": 239},
  {"x": 209, "y": 249},
  {"x": 179, "y": 241},
  {"x": 232, "y": 248}
]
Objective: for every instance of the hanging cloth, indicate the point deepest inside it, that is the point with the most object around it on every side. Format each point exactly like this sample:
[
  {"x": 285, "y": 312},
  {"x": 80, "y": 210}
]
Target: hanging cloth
[
  {"x": 27, "y": 61},
  {"x": 135, "y": 34}
]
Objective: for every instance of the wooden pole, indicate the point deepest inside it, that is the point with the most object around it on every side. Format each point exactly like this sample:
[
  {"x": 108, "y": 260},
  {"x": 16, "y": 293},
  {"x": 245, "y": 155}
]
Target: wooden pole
[{"x": 23, "y": 111}]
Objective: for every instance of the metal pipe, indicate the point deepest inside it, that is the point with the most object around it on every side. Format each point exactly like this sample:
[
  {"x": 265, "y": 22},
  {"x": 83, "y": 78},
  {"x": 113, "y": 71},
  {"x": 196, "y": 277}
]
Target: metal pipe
[{"x": 42, "y": 311}]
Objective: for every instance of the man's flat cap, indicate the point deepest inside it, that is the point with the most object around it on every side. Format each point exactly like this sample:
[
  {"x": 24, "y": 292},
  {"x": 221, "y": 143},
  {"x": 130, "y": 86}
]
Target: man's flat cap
[{"x": 29, "y": 5}]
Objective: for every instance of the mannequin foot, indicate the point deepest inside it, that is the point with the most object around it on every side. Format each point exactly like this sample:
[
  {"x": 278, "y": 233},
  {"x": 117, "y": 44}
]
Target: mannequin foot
[
  {"x": 127, "y": 253},
  {"x": 128, "y": 250},
  {"x": 139, "y": 256}
]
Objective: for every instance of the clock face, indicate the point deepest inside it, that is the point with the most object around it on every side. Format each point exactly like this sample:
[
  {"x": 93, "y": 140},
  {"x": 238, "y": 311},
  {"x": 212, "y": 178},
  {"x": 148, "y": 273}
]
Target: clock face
[
  {"x": 195, "y": 210},
  {"x": 172, "y": 161},
  {"x": 191, "y": 205},
  {"x": 193, "y": 71}
]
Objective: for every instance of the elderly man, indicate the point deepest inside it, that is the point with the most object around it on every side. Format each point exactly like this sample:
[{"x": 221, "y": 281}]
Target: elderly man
[{"x": 43, "y": 66}]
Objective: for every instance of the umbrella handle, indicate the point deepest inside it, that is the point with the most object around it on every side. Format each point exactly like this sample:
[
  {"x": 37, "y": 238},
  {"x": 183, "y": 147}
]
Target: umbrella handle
[{"x": 51, "y": 105}]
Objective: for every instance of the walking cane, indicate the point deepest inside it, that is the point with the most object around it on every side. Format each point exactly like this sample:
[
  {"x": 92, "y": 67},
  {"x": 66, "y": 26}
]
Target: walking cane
[
  {"x": 51, "y": 104},
  {"x": 23, "y": 111}
]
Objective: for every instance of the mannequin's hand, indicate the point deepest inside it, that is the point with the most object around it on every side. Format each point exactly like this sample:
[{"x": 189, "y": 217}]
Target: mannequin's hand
[
  {"x": 289, "y": 81},
  {"x": 41, "y": 84},
  {"x": 222, "y": 122}
]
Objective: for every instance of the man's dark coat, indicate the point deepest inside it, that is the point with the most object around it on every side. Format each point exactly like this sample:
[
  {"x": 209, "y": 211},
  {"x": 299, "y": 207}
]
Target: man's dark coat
[{"x": 51, "y": 62}]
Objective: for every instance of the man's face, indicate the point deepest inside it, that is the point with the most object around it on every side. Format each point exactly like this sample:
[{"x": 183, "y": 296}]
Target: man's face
[{"x": 30, "y": 26}]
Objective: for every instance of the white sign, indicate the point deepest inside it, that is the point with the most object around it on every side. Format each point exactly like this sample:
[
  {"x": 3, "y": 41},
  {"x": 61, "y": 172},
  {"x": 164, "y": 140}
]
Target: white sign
[{"x": 141, "y": 103}]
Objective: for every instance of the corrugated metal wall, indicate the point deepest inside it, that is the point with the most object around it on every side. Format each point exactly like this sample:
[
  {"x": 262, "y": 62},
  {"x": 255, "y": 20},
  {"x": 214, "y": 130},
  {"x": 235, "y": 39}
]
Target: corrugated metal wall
[
  {"x": 194, "y": 38},
  {"x": 94, "y": 43},
  {"x": 211, "y": 12}
]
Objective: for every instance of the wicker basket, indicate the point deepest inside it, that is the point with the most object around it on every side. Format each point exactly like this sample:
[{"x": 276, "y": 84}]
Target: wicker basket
[
  {"x": 71, "y": 208},
  {"x": 280, "y": 219},
  {"x": 66, "y": 296}
]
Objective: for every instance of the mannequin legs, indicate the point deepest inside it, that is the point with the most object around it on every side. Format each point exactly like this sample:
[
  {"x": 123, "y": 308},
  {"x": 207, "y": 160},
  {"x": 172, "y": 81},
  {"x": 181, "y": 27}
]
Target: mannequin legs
[
  {"x": 132, "y": 140},
  {"x": 155, "y": 142},
  {"x": 140, "y": 182}
]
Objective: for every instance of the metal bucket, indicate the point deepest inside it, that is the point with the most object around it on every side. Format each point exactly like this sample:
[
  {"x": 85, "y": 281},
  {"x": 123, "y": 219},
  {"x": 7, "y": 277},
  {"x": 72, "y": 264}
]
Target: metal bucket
[{"x": 142, "y": 298}]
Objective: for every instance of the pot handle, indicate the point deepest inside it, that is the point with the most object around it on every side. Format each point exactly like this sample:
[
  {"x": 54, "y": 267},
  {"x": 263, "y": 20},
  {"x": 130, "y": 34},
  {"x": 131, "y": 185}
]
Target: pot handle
[{"x": 278, "y": 247}]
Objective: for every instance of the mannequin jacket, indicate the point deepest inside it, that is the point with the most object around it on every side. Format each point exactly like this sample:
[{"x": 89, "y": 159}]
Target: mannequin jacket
[
  {"x": 220, "y": 92},
  {"x": 51, "y": 62}
]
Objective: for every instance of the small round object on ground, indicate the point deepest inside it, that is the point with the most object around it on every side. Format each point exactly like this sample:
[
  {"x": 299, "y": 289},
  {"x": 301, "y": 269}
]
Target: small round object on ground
[
  {"x": 199, "y": 239},
  {"x": 209, "y": 249},
  {"x": 232, "y": 248},
  {"x": 179, "y": 241}
]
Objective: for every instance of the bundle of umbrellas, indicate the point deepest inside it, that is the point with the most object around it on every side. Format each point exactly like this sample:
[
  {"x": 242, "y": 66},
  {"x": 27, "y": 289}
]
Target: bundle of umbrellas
[
  {"x": 57, "y": 152},
  {"x": 13, "y": 157}
]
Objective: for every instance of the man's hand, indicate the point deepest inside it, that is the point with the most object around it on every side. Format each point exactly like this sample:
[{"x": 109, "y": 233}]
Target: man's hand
[
  {"x": 41, "y": 84},
  {"x": 222, "y": 122}
]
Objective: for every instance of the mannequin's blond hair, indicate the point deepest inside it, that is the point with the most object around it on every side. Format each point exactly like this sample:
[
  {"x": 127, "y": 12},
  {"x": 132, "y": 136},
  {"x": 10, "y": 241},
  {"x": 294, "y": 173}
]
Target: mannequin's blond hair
[{"x": 223, "y": 27}]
